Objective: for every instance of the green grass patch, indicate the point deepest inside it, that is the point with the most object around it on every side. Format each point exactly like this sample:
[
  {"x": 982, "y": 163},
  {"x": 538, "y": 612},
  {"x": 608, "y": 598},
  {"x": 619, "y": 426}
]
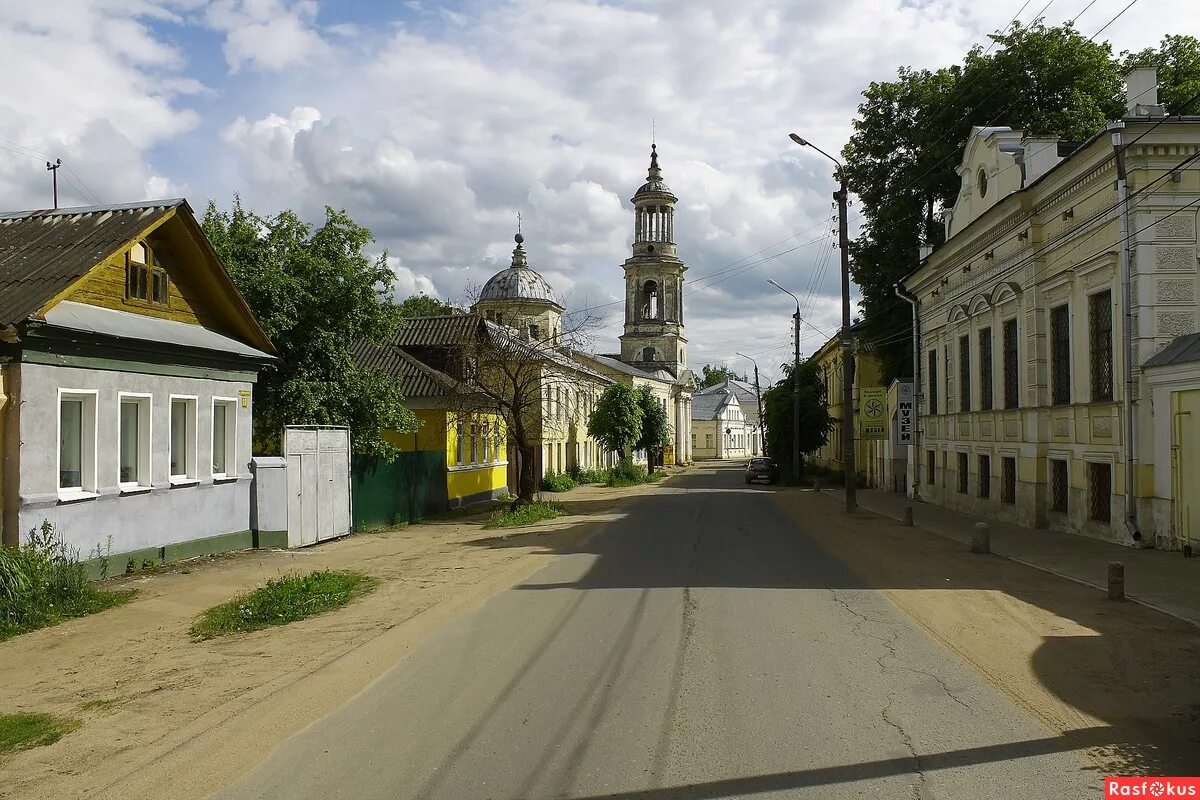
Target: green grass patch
[
  {"x": 591, "y": 476},
  {"x": 525, "y": 515},
  {"x": 23, "y": 731},
  {"x": 43, "y": 582},
  {"x": 558, "y": 483},
  {"x": 283, "y": 600}
]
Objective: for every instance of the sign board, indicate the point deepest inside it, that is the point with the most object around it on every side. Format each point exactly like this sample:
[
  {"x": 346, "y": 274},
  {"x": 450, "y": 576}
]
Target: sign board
[
  {"x": 872, "y": 413},
  {"x": 905, "y": 403}
]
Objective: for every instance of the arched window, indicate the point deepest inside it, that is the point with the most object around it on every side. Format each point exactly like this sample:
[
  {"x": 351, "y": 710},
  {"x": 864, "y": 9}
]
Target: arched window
[
  {"x": 651, "y": 306},
  {"x": 648, "y": 354}
]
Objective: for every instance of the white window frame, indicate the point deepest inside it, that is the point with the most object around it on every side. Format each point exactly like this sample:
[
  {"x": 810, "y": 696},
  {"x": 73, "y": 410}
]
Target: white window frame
[
  {"x": 145, "y": 455},
  {"x": 230, "y": 438},
  {"x": 88, "y": 430},
  {"x": 191, "y": 473}
]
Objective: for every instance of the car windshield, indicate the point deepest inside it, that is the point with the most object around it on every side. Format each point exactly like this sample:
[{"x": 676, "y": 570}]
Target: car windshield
[{"x": 760, "y": 462}]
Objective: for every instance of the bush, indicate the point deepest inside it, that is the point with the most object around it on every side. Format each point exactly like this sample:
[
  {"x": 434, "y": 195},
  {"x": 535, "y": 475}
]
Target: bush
[
  {"x": 558, "y": 483},
  {"x": 283, "y": 600},
  {"x": 591, "y": 476},
  {"x": 525, "y": 515},
  {"x": 626, "y": 473},
  {"x": 42, "y": 583}
]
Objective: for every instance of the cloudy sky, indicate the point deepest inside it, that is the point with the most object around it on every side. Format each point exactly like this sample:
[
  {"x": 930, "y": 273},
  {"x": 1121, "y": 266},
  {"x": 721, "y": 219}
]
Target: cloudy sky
[{"x": 434, "y": 123}]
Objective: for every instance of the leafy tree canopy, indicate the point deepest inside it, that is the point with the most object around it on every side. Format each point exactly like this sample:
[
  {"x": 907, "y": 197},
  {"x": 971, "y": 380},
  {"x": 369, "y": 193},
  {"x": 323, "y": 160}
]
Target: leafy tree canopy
[
  {"x": 713, "y": 375},
  {"x": 616, "y": 422},
  {"x": 656, "y": 427},
  {"x": 315, "y": 292},
  {"x": 422, "y": 305},
  {"x": 909, "y": 133},
  {"x": 815, "y": 422}
]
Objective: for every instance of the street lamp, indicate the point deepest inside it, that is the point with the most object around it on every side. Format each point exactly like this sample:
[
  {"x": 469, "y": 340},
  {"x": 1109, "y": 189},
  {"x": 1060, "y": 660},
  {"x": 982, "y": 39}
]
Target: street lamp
[
  {"x": 841, "y": 196},
  {"x": 795, "y": 386},
  {"x": 758, "y": 394}
]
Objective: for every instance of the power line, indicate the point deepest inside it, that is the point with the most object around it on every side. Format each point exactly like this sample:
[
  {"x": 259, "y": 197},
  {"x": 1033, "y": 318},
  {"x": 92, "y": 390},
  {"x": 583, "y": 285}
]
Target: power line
[{"x": 1114, "y": 19}]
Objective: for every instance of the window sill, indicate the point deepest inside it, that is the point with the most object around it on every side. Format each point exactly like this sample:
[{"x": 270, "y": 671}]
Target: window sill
[
  {"x": 76, "y": 495},
  {"x": 133, "y": 488},
  {"x": 468, "y": 467},
  {"x": 176, "y": 482},
  {"x": 224, "y": 478}
]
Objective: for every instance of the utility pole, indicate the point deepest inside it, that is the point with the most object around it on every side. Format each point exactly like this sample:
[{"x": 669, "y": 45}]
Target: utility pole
[
  {"x": 762, "y": 427},
  {"x": 54, "y": 176},
  {"x": 842, "y": 195},
  {"x": 847, "y": 350}
]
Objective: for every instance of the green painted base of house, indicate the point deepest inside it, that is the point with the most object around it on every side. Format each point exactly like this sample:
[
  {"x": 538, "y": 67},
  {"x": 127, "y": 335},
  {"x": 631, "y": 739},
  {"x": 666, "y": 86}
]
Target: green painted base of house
[{"x": 137, "y": 560}]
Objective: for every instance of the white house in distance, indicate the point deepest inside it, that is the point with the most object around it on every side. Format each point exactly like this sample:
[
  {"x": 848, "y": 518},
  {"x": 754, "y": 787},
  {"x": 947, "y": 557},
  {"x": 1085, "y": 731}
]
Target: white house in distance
[
  {"x": 719, "y": 428},
  {"x": 127, "y": 359},
  {"x": 748, "y": 402}
]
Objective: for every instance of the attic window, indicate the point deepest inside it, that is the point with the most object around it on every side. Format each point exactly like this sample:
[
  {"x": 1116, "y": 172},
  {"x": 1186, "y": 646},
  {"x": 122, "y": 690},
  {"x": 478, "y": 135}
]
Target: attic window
[
  {"x": 982, "y": 181},
  {"x": 145, "y": 279}
]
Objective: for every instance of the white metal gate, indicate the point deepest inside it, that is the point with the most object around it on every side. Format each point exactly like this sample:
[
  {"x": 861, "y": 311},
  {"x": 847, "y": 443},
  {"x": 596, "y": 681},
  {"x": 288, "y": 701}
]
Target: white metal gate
[{"x": 318, "y": 482}]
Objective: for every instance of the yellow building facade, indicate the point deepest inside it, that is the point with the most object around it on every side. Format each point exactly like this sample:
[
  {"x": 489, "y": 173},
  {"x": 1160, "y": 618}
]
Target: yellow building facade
[
  {"x": 1034, "y": 401},
  {"x": 867, "y": 373}
]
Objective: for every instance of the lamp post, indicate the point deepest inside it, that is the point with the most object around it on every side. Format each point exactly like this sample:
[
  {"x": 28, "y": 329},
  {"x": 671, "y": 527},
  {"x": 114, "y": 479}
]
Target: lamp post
[
  {"x": 758, "y": 395},
  {"x": 841, "y": 196},
  {"x": 795, "y": 387}
]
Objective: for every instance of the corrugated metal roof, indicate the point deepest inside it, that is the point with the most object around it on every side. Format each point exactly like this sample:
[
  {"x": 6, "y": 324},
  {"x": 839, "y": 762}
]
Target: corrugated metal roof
[
  {"x": 42, "y": 252},
  {"x": 124, "y": 325},
  {"x": 612, "y": 362},
  {"x": 744, "y": 391},
  {"x": 1182, "y": 350},
  {"x": 708, "y": 406},
  {"x": 443, "y": 331},
  {"x": 415, "y": 378}
]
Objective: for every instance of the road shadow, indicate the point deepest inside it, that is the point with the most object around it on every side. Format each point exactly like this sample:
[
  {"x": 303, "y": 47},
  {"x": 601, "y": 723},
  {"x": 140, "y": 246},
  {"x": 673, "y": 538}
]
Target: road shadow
[{"x": 708, "y": 529}]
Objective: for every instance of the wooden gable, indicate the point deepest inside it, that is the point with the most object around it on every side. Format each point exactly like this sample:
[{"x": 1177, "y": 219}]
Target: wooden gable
[{"x": 199, "y": 290}]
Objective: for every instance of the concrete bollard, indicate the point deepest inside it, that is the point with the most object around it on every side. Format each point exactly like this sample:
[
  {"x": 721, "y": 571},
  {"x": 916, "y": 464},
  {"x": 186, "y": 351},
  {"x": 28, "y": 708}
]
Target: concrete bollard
[
  {"x": 981, "y": 540},
  {"x": 1116, "y": 580},
  {"x": 907, "y": 521}
]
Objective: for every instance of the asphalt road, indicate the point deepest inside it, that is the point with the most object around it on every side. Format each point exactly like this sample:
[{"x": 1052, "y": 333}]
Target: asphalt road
[{"x": 703, "y": 647}]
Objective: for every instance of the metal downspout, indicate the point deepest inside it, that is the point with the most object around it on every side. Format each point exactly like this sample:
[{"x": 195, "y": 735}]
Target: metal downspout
[
  {"x": 1130, "y": 423},
  {"x": 917, "y": 390}
]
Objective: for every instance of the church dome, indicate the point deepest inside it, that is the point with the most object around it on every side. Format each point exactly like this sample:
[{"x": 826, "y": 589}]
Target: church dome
[{"x": 518, "y": 282}]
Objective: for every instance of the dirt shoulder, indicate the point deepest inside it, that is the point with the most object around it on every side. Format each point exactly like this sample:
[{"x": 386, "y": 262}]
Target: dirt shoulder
[
  {"x": 1118, "y": 680},
  {"x": 165, "y": 715}
]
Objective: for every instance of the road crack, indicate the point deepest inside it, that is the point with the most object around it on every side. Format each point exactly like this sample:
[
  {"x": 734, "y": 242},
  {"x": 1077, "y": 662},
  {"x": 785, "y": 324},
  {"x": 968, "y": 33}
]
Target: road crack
[{"x": 918, "y": 768}]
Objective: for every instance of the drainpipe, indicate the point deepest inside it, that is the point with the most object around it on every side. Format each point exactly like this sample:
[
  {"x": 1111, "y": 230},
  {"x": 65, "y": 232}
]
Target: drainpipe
[
  {"x": 917, "y": 385},
  {"x": 1130, "y": 423}
]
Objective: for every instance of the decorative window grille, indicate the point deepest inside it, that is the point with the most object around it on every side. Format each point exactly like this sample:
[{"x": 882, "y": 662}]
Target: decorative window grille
[
  {"x": 1100, "y": 336},
  {"x": 1012, "y": 393},
  {"x": 962, "y": 473},
  {"x": 933, "y": 382},
  {"x": 985, "y": 476},
  {"x": 985, "y": 369},
  {"x": 964, "y": 373},
  {"x": 1100, "y": 492},
  {"x": 1058, "y": 485},
  {"x": 1008, "y": 480},
  {"x": 1060, "y": 356},
  {"x": 930, "y": 467}
]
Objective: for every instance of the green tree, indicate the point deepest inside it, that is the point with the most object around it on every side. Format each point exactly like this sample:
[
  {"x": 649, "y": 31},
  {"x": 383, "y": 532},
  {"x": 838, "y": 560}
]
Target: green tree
[
  {"x": 315, "y": 292},
  {"x": 656, "y": 427},
  {"x": 815, "y": 422},
  {"x": 1178, "y": 62},
  {"x": 616, "y": 422},
  {"x": 714, "y": 375},
  {"x": 422, "y": 305}
]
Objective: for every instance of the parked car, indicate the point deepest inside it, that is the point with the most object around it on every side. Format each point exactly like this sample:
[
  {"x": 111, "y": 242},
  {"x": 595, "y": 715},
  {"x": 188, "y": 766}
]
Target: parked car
[{"x": 762, "y": 469}]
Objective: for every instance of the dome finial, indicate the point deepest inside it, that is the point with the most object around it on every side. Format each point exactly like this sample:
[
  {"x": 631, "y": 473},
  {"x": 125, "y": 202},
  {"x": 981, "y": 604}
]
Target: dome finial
[{"x": 518, "y": 257}]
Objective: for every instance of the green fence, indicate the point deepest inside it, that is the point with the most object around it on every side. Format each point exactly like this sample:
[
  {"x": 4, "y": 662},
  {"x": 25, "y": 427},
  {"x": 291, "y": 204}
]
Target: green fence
[{"x": 402, "y": 489}]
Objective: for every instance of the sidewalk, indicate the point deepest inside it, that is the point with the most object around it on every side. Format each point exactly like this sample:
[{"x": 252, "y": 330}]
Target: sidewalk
[{"x": 1164, "y": 581}]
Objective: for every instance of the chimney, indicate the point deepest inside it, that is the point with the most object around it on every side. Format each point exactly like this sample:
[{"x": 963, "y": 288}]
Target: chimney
[
  {"x": 925, "y": 251},
  {"x": 1141, "y": 93},
  {"x": 1039, "y": 155}
]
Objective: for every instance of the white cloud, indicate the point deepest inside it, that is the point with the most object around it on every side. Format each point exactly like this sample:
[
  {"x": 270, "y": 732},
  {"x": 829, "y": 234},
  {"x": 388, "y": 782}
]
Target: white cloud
[{"x": 267, "y": 34}]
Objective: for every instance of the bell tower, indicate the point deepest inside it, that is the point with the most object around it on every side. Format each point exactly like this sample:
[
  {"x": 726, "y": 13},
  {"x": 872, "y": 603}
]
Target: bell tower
[{"x": 653, "y": 337}]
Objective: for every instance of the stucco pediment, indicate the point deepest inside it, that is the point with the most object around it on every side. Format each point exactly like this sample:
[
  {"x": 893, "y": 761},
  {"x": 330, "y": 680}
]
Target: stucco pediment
[
  {"x": 1004, "y": 291},
  {"x": 979, "y": 304},
  {"x": 958, "y": 313},
  {"x": 989, "y": 152}
]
